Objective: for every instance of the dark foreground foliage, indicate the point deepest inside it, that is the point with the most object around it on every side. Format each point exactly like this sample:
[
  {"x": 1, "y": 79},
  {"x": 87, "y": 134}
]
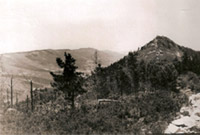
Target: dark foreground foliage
[{"x": 148, "y": 112}]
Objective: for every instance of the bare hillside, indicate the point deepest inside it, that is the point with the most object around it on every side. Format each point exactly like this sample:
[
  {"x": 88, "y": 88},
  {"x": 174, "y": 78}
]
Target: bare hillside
[{"x": 36, "y": 65}]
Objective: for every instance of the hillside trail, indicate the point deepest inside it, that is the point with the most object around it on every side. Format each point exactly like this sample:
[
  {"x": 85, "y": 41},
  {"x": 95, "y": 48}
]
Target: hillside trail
[{"x": 188, "y": 120}]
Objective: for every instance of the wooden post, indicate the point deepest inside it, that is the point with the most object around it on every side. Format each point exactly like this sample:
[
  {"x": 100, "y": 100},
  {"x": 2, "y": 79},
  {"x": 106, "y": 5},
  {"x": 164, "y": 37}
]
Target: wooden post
[
  {"x": 31, "y": 83},
  {"x": 11, "y": 86},
  {"x": 16, "y": 98},
  {"x": 27, "y": 103}
]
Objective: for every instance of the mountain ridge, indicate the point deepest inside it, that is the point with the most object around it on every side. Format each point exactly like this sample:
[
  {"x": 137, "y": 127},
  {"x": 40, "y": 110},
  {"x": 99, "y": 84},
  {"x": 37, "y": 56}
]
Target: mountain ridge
[{"x": 35, "y": 65}]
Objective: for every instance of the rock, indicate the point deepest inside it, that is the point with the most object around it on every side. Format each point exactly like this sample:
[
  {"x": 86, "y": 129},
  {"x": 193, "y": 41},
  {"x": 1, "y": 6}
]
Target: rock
[
  {"x": 195, "y": 117},
  {"x": 185, "y": 113},
  {"x": 11, "y": 111},
  {"x": 195, "y": 110},
  {"x": 172, "y": 129},
  {"x": 195, "y": 99},
  {"x": 187, "y": 121},
  {"x": 197, "y": 114},
  {"x": 141, "y": 120},
  {"x": 181, "y": 131},
  {"x": 186, "y": 109},
  {"x": 197, "y": 126}
]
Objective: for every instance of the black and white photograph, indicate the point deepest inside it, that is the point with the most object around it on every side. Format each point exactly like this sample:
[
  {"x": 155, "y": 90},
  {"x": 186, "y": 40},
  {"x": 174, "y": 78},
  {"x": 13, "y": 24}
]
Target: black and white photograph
[{"x": 76, "y": 67}]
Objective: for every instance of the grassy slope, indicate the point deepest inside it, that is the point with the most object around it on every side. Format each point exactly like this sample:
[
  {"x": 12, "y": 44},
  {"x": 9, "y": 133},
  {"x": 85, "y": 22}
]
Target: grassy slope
[{"x": 36, "y": 65}]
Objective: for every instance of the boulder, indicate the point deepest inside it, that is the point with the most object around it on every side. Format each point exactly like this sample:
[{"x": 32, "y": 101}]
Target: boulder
[
  {"x": 195, "y": 99},
  {"x": 11, "y": 111},
  {"x": 195, "y": 117},
  {"x": 186, "y": 120},
  {"x": 171, "y": 129},
  {"x": 186, "y": 110}
]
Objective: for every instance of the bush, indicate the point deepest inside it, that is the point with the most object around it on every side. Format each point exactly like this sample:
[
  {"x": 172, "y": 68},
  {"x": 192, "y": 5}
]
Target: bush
[{"x": 144, "y": 112}]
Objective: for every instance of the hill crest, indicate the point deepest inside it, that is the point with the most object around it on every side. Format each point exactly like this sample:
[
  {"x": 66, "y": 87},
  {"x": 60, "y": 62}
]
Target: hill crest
[
  {"x": 36, "y": 65},
  {"x": 160, "y": 48}
]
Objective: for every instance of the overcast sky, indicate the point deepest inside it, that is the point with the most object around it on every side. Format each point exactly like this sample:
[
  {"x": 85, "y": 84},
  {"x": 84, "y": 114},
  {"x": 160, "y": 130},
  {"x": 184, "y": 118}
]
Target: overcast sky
[{"x": 118, "y": 25}]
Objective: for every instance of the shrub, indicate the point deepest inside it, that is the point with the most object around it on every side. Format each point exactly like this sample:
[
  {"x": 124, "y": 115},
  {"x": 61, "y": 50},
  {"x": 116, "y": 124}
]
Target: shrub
[{"x": 143, "y": 112}]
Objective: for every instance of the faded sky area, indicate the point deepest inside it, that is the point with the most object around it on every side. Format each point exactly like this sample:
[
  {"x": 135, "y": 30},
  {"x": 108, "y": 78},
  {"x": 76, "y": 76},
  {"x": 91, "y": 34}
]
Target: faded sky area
[{"x": 117, "y": 25}]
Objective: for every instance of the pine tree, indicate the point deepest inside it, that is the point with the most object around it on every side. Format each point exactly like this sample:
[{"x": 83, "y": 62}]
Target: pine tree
[
  {"x": 132, "y": 65},
  {"x": 69, "y": 81},
  {"x": 185, "y": 61}
]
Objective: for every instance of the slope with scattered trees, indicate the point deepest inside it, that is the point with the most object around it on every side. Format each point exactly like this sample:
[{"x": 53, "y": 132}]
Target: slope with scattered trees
[{"x": 143, "y": 84}]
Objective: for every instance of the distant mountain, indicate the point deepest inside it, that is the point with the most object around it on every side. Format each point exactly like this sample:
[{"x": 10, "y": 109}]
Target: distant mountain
[
  {"x": 36, "y": 65},
  {"x": 156, "y": 65}
]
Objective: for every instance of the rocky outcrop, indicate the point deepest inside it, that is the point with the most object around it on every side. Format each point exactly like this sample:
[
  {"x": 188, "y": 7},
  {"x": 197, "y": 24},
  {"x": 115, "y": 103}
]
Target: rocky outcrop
[{"x": 188, "y": 120}]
